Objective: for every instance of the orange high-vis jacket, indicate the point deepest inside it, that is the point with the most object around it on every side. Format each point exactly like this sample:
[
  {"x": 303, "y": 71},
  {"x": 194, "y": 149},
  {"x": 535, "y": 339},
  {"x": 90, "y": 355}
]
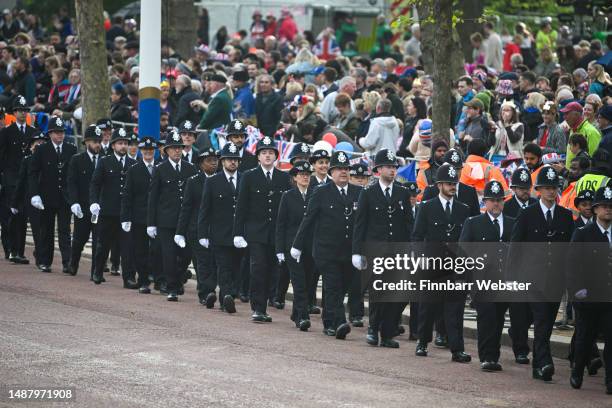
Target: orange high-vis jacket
[
  {"x": 478, "y": 171},
  {"x": 9, "y": 119},
  {"x": 567, "y": 199},
  {"x": 421, "y": 179}
]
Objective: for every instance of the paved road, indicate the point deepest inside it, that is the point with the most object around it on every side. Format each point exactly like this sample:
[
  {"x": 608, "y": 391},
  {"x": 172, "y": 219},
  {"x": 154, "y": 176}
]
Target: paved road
[{"x": 123, "y": 349}]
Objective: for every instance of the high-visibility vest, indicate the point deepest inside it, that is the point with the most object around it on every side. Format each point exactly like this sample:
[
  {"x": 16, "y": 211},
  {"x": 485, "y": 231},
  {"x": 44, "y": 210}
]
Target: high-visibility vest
[
  {"x": 9, "y": 119},
  {"x": 586, "y": 182},
  {"x": 422, "y": 181}
]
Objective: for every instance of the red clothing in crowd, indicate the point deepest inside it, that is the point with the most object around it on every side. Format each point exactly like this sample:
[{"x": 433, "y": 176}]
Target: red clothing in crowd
[
  {"x": 511, "y": 48},
  {"x": 288, "y": 29}
]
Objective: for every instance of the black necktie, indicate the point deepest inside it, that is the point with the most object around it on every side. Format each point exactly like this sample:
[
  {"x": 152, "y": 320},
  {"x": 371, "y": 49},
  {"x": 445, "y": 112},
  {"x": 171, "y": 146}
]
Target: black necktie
[
  {"x": 231, "y": 181},
  {"x": 22, "y": 128},
  {"x": 269, "y": 176},
  {"x": 95, "y": 160},
  {"x": 121, "y": 162},
  {"x": 343, "y": 195},
  {"x": 549, "y": 218},
  {"x": 448, "y": 210},
  {"x": 59, "y": 151},
  {"x": 497, "y": 227},
  {"x": 388, "y": 194},
  {"x": 177, "y": 168},
  {"x": 606, "y": 233}
]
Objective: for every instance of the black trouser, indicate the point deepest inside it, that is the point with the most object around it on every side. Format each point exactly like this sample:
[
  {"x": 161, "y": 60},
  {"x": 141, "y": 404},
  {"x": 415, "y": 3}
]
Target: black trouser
[
  {"x": 413, "y": 322},
  {"x": 172, "y": 255},
  {"x": 544, "y": 316},
  {"x": 312, "y": 282},
  {"x": 155, "y": 261},
  {"x": 5, "y": 215},
  {"x": 141, "y": 249},
  {"x": 245, "y": 273},
  {"x": 355, "y": 298},
  {"x": 383, "y": 318},
  {"x": 263, "y": 267},
  {"x": 33, "y": 215},
  {"x": 47, "y": 234},
  {"x": 17, "y": 230},
  {"x": 110, "y": 232},
  {"x": 592, "y": 318},
  {"x": 80, "y": 235},
  {"x": 453, "y": 320},
  {"x": 115, "y": 256},
  {"x": 521, "y": 319},
  {"x": 490, "y": 320},
  {"x": 298, "y": 275},
  {"x": 337, "y": 276},
  {"x": 572, "y": 349},
  {"x": 227, "y": 259},
  {"x": 282, "y": 284},
  {"x": 204, "y": 262}
]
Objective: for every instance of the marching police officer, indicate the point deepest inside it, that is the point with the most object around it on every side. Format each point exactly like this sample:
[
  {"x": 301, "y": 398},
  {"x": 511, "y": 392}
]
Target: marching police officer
[
  {"x": 520, "y": 184},
  {"x": 583, "y": 202},
  {"x": 545, "y": 222},
  {"x": 187, "y": 131},
  {"x": 165, "y": 199},
  {"x": 186, "y": 230},
  {"x": 439, "y": 222},
  {"x": 360, "y": 174},
  {"x": 384, "y": 215},
  {"x": 19, "y": 202},
  {"x": 105, "y": 192},
  {"x": 492, "y": 226},
  {"x": 300, "y": 152},
  {"x": 14, "y": 146},
  {"x": 80, "y": 173},
  {"x": 236, "y": 134},
  {"x": 255, "y": 223},
  {"x": 107, "y": 133},
  {"x": 215, "y": 223},
  {"x": 320, "y": 164},
  {"x": 466, "y": 194},
  {"x": 591, "y": 257},
  {"x": 291, "y": 211},
  {"x": 49, "y": 193},
  {"x": 133, "y": 214},
  {"x": 330, "y": 216}
]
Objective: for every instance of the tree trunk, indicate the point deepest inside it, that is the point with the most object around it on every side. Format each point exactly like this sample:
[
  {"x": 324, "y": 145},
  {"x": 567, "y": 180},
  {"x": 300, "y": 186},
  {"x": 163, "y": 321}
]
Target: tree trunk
[
  {"x": 427, "y": 35},
  {"x": 94, "y": 77},
  {"x": 180, "y": 18},
  {"x": 472, "y": 11}
]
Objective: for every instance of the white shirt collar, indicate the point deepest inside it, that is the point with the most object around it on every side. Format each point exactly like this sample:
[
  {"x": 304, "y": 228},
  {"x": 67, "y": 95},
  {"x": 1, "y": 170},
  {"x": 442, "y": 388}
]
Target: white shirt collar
[
  {"x": 265, "y": 171},
  {"x": 444, "y": 200},
  {"x": 383, "y": 187},
  {"x": 146, "y": 163},
  {"x": 545, "y": 209},
  {"x": 174, "y": 164},
  {"x": 345, "y": 188},
  {"x": 90, "y": 154},
  {"x": 55, "y": 146},
  {"x": 228, "y": 175},
  {"x": 321, "y": 180},
  {"x": 118, "y": 157},
  {"x": 603, "y": 230},
  {"x": 520, "y": 203},
  {"x": 105, "y": 146},
  {"x": 133, "y": 157},
  {"x": 585, "y": 220},
  {"x": 500, "y": 221}
]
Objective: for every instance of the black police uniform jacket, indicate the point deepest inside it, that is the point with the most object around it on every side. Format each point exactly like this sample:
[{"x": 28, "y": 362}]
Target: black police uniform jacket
[
  {"x": 48, "y": 174},
  {"x": 247, "y": 162},
  {"x": 377, "y": 220},
  {"x": 512, "y": 207},
  {"x": 188, "y": 217},
  {"x": 135, "y": 198},
  {"x": 14, "y": 146},
  {"x": 257, "y": 205},
  {"x": 331, "y": 220},
  {"x": 166, "y": 194},
  {"x": 20, "y": 198},
  {"x": 217, "y": 209},
  {"x": 466, "y": 194},
  {"x": 290, "y": 214},
  {"x": 80, "y": 173},
  {"x": 108, "y": 183}
]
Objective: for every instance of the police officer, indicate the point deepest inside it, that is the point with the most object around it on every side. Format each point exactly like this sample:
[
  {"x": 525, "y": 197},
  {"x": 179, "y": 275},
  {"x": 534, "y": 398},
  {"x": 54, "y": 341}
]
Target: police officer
[
  {"x": 255, "y": 223},
  {"x": 492, "y": 226},
  {"x": 300, "y": 152},
  {"x": 360, "y": 174},
  {"x": 187, "y": 130},
  {"x": 544, "y": 222},
  {"x": 14, "y": 146},
  {"x": 49, "y": 193},
  {"x": 320, "y": 164},
  {"x": 330, "y": 216},
  {"x": 107, "y": 133},
  {"x": 384, "y": 215},
  {"x": 583, "y": 202},
  {"x": 215, "y": 223},
  {"x": 165, "y": 199},
  {"x": 520, "y": 184},
  {"x": 80, "y": 173},
  {"x": 589, "y": 284},
  {"x": 186, "y": 230},
  {"x": 290, "y": 214},
  {"x": 132, "y": 151},
  {"x": 105, "y": 193},
  {"x": 19, "y": 202},
  {"x": 439, "y": 222},
  {"x": 133, "y": 215}
]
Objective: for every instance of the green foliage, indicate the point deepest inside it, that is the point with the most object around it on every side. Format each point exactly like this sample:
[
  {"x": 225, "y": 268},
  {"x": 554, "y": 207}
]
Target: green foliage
[{"x": 543, "y": 7}]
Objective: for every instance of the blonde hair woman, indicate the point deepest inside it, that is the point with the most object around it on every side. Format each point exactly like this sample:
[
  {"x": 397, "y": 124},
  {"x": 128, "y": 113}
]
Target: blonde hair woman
[
  {"x": 598, "y": 78},
  {"x": 509, "y": 132},
  {"x": 532, "y": 115}
]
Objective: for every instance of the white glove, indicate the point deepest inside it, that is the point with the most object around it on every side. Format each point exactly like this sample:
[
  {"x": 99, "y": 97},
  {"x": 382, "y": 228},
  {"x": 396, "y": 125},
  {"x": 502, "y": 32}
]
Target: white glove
[
  {"x": 296, "y": 254},
  {"x": 152, "y": 232},
  {"x": 240, "y": 242},
  {"x": 581, "y": 294},
  {"x": 180, "y": 241},
  {"x": 357, "y": 261},
  {"x": 76, "y": 210},
  {"x": 95, "y": 209},
  {"x": 280, "y": 257},
  {"x": 36, "y": 202},
  {"x": 204, "y": 242},
  {"x": 14, "y": 211},
  {"x": 126, "y": 226}
]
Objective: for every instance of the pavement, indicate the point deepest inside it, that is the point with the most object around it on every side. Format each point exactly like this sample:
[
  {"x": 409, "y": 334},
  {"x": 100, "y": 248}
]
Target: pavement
[{"x": 122, "y": 349}]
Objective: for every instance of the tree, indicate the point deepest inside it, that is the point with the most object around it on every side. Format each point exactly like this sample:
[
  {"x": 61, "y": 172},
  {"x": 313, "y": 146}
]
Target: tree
[
  {"x": 94, "y": 79},
  {"x": 180, "y": 20}
]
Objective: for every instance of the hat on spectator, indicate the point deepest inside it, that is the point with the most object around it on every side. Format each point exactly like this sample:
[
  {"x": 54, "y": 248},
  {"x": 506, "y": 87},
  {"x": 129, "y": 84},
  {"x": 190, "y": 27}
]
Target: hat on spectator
[
  {"x": 572, "y": 107},
  {"x": 241, "y": 75},
  {"x": 132, "y": 45},
  {"x": 203, "y": 48},
  {"x": 425, "y": 132},
  {"x": 485, "y": 98},
  {"x": 605, "y": 112},
  {"x": 318, "y": 70},
  {"x": 511, "y": 76},
  {"x": 504, "y": 87},
  {"x": 475, "y": 103},
  {"x": 218, "y": 78}
]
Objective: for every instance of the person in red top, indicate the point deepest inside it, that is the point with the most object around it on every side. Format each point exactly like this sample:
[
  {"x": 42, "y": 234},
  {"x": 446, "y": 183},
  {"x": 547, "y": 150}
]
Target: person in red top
[
  {"x": 271, "y": 25},
  {"x": 288, "y": 28},
  {"x": 513, "y": 47}
]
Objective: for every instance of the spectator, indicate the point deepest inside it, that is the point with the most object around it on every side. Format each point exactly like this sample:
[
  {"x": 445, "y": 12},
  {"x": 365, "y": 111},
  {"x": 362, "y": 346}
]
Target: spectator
[
  {"x": 120, "y": 104},
  {"x": 493, "y": 48},
  {"x": 416, "y": 111},
  {"x": 24, "y": 81},
  {"x": 546, "y": 65},
  {"x": 166, "y": 104},
  {"x": 413, "y": 45},
  {"x": 384, "y": 130},
  {"x": 184, "y": 97},
  {"x": 420, "y": 143},
  {"x": 477, "y": 125},
  {"x": 598, "y": 79},
  {"x": 268, "y": 105},
  {"x": 594, "y": 53},
  {"x": 219, "y": 110},
  {"x": 546, "y": 37},
  {"x": 604, "y": 117},
  {"x": 551, "y": 137},
  {"x": 532, "y": 115},
  {"x": 287, "y": 27},
  {"x": 578, "y": 124},
  {"x": 328, "y": 110},
  {"x": 590, "y": 112},
  {"x": 512, "y": 48},
  {"x": 508, "y": 133},
  {"x": 346, "y": 120},
  {"x": 465, "y": 88},
  {"x": 244, "y": 102}
]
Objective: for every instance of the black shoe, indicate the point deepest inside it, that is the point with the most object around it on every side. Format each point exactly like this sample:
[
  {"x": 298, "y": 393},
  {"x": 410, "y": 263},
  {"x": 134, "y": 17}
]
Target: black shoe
[
  {"x": 45, "y": 268},
  {"x": 390, "y": 343},
  {"x": 522, "y": 359},
  {"x": 244, "y": 298},
  {"x": 461, "y": 357},
  {"x": 97, "y": 280},
  {"x": 74, "y": 269},
  {"x": 545, "y": 373},
  {"x": 329, "y": 332},
  {"x": 163, "y": 289},
  {"x": 421, "y": 349},
  {"x": 144, "y": 290},
  {"x": 267, "y": 318},
  {"x": 440, "y": 341},
  {"x": 314, "y": 310},
  {"x": 211, "y": 298},
  {"x": 401, "y": 329},
  {"x": 304, "y": 325},
  {"x": 490, "y": 366},
  {"x": 594, "y": 366},
  {"x": 130, "y": 284},
  {"x": 228, "y": 304},
  {"x": 372, "y": 337},
  {"x": 258, "y": 317},
  {"x": 19, "y": 260},
  {"x": 180, "y": 291},
  {"x": 576, "y": 379},
  {"x": 172, "y": 297},
  {"x": 357, "y": 322},
  {"x": 279, "y": 305},
  {"x": 342, "y": 331},
  {"x": 115, "y": 272},
  {"x": 67, "y": 270}
]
